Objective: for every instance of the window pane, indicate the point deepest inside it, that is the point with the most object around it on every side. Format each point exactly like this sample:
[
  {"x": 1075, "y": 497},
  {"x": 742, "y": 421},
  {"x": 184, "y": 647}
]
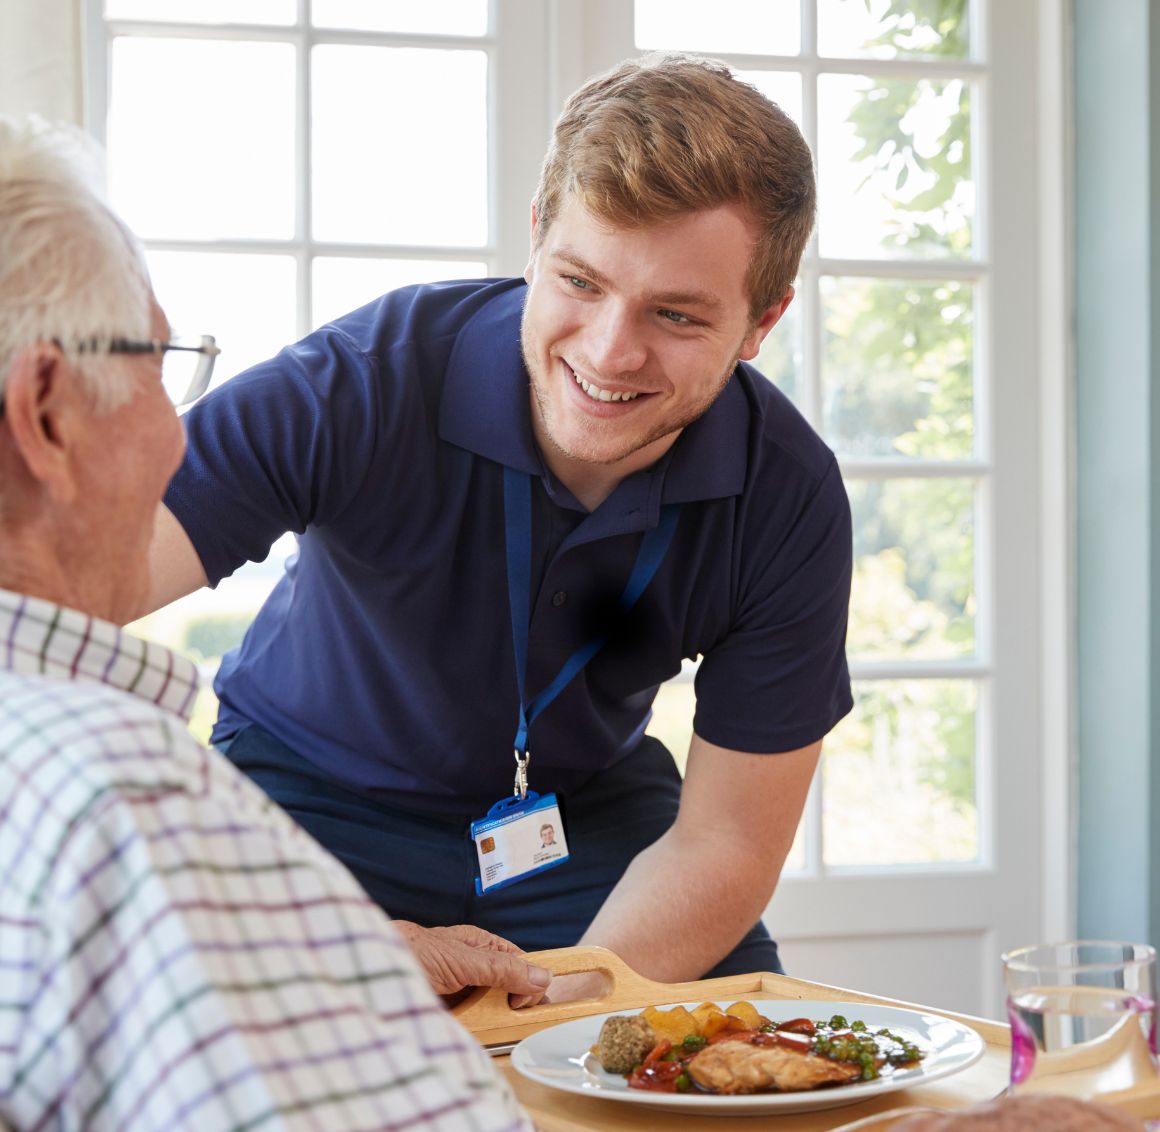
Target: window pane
[
  {"x": 895, "y": 173},
  {"x": 245, "y": 301},
  {"x": 672, "y": 718},
  {"x": 795, "y": 859},
  {"x": 781, "y": 353},
  {"x": 419, "y": 175},
  {"x": 772, "y": 27},
  {"x": 898, "y": 776},
  {"x": 273, "y": 12},
  {"x": 201, "y": 137},
  {"x": 894, "y": 29},
  {"x": 913, "y": 593},
  {"x": 434, "y": 17},
  {"x": 896, "y": 368},
  {"x": 782, "y": 87},
  {"x": 344, "y": 284}
]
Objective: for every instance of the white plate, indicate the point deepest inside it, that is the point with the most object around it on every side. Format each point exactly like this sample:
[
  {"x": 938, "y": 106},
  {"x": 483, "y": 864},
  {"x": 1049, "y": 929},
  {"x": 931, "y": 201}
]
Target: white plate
[{"x": 559, "y": 1057}]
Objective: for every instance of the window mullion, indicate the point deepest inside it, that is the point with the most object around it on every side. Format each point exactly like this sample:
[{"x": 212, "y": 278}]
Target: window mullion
[
  {"x": 809, "y": 274},
  {"x": 303, "y": 220},
  {"x": 809, "y": 28},
  {"x": 520, "y": 123},
  {"x": 96, "y": 47}
]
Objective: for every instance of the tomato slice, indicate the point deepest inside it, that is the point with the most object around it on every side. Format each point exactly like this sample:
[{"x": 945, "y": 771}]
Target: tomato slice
[
  {"x": 655, "y": 1074},
  {"x": 658, "y": 1078},
  {"x": 657, "y": 1052},
  {"x": 798, "y": 1026}
]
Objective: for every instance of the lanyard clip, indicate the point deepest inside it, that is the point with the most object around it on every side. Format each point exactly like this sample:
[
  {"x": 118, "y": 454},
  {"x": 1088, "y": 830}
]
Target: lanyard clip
[{"x": 521, "y": 785}]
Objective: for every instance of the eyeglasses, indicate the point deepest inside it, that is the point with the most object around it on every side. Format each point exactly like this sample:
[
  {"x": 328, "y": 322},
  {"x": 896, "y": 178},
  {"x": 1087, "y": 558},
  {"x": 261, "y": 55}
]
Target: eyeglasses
[{"x": 186, "y": 363}]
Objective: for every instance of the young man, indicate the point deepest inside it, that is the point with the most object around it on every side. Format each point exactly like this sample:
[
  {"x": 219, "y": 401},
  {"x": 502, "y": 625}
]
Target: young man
[
  {"x": 174, "y": 952},
  {"x": 520, "y": 504}
]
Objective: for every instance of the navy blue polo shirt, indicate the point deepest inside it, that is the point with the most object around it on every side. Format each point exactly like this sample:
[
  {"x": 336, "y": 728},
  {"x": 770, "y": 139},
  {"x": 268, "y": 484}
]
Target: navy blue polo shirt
[{"x": 384, "y": 655}]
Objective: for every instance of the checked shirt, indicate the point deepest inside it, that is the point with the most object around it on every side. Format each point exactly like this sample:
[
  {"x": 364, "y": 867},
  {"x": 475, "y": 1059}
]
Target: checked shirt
[{"x": 174, "y": 952}]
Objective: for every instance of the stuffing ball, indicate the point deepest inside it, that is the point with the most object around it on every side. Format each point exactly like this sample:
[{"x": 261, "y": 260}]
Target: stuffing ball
[{"x": 624, "y": 1042}]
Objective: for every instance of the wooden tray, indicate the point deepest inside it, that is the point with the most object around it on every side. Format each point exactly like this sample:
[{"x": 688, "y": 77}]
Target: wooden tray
[{"x": 485, "y": 1012}]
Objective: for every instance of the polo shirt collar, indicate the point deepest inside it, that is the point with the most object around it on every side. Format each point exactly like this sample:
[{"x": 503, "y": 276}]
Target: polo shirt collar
[
  {"x": 485, "y": 409},
  {"x": 484, "y": 406}
]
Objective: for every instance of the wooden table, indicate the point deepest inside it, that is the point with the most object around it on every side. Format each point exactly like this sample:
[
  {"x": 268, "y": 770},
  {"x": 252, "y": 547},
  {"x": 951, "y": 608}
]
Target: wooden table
[{"x": 488, "y": 1016}]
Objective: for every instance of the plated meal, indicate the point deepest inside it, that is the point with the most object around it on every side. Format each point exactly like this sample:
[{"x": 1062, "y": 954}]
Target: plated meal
[
  {"x": 769, "y": 1057},
  {"x": 735, "y": 1049}
]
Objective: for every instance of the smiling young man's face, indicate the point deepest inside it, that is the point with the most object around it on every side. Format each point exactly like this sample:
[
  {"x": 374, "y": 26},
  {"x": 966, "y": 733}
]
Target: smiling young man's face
[{"x": 630, "y": 334}]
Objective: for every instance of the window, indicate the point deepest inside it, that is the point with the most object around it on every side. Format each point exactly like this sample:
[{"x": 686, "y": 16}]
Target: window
[
  {"x": 878, "y": 351},
  {"x": 915, "y": 346},
  {"x": 294, "y": 176},
  {"x": 265, "y": 152}
]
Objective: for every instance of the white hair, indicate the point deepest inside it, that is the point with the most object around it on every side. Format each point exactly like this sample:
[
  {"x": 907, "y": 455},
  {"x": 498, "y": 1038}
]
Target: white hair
[{"x": 70, "y": 270}]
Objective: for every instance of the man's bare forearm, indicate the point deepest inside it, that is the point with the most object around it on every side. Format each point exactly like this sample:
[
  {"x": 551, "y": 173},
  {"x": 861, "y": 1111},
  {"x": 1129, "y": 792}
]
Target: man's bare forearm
[
  {"x": 681, "y": 908},
  {"x": 687, "y": 900},
  {"x": 174, "y": 566}
]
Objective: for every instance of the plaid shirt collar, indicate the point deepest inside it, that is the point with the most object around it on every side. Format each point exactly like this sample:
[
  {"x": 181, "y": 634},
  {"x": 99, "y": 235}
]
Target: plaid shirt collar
[{"x": 39, "y": 638}]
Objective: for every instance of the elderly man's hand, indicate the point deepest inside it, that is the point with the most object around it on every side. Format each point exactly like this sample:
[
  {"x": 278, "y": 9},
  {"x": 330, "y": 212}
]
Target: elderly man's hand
[{"x": 458, "y": 958}]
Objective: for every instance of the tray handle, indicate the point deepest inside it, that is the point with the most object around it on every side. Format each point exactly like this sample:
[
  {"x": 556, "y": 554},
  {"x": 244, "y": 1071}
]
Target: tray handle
[{"x": 486, "y": 1008}]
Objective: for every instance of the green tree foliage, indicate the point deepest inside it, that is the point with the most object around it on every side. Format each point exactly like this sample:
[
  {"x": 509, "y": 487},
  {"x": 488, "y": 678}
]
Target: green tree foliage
[
  {"x": 921, "y": 27},
  {"x": 886, "y": 800},
  {"x": 211, "y": 636},
  {"x": 898, "y": 383}
]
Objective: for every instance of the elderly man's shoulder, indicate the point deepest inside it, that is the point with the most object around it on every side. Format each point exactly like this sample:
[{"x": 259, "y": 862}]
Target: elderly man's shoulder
[
  {"x": 72, "y": 719},
  {"x": 76, "y": 742},
  {"x": 82, "y": 760}
]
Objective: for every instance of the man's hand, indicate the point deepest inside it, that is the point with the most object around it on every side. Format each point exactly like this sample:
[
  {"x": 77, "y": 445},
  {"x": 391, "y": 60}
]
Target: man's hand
[{"x": 461, "y": 957}]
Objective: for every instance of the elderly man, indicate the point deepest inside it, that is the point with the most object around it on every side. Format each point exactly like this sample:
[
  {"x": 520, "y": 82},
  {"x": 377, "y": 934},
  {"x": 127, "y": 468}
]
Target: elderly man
[{"x": 174, "y": 951}]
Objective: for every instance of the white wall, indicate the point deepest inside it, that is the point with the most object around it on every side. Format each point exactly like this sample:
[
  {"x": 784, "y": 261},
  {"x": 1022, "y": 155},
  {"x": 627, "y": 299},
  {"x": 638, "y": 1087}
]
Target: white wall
[{"x": 40, "y": 58}]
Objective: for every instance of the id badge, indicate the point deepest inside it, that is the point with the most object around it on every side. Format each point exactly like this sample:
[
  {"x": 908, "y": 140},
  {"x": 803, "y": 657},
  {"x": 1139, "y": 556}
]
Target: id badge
[{"x": 518, "y": 838}]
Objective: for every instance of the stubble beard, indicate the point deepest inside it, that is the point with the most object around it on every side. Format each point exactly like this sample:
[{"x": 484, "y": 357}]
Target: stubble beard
[{"x": 589, "y": 454}]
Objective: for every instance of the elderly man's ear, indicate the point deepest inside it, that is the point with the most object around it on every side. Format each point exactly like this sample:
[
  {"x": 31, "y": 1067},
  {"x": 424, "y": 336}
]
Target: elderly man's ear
[{"x": 45, "y": 412}]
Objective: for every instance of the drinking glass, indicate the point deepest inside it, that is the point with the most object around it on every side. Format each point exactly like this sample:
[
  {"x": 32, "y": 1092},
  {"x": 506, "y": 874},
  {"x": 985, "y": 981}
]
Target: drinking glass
[{"x": 1083, "y": 1017}]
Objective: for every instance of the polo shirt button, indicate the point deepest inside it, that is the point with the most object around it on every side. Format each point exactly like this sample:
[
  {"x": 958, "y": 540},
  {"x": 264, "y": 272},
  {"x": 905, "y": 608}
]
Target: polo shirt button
[{"x": 559, "y": 597}]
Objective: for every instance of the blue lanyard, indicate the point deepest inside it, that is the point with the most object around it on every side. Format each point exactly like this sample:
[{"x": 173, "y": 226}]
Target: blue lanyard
[{"x": 517, "y": 502}]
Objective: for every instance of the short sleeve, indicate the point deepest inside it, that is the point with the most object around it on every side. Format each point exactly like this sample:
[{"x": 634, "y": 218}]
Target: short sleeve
[
  {"x": 778, "y": 680},
  {"x": 282, "y": 446}
]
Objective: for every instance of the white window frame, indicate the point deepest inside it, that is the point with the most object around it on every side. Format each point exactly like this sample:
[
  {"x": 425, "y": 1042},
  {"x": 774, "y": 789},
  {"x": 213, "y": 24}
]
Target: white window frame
[
  {"x": 1024, "y": 660},
  {"x": 518, "y": 77},
  {"x": 539, "y": 51},
  {"x": 615, "y": 21}
]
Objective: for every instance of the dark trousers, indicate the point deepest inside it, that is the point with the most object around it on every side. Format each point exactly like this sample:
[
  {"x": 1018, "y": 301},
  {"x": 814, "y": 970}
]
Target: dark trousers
[{"x": 422, "y": 867}]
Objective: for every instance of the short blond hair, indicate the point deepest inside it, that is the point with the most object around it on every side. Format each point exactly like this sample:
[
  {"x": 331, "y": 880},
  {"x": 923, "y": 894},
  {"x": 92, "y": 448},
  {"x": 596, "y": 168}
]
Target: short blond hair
[{"x": 666, "y": 134}]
